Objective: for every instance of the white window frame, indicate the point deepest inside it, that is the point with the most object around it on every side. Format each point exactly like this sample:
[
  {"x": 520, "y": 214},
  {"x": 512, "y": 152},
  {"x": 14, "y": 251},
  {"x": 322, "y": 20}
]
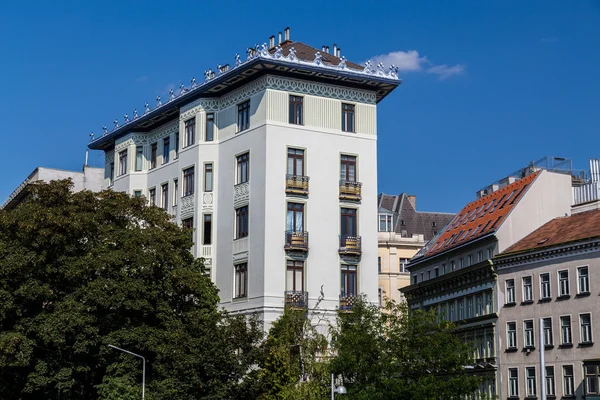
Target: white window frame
[
  {"x": 587, "y": 280},
  {"x": 570, "y": 392},
  {"x": 513, "y": 296},
  {"x": 510, "y": 345},
  {"x": 527, "y": 289},
  {"x": 562, "y": 336},
  {"x": 550, "y": 381},
  {"x": 560, "y": 288},
  {"x": 513, "y": 389},
  {"x": 591, "y": 330},
  {"x": 528, "y": 339},
  {"x": 551, "y": 342},
  {"x": 549, "y": 286},
  {"x": 530, "y": 382}
]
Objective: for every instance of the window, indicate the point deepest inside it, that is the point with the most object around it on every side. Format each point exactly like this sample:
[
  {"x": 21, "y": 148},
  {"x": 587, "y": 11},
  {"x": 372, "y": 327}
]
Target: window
[
  {"x": 208, "y": 177},
  {"x": 510, "y": 291},
  {"x": 568, "y": 381},
  {"x": 137, "y": 193},
  {"x": 123, "y": 162},
  {"x": 469, "y": 260},
  {"x": 347, "y": 117},
  {"x": 531, "y": 386},
  {"x": 479, "y": 256},
  {"x": 585, "y": 321},
  {"x": 550, "y": 388},
  {"x": 436, "y": 272},
  {"x": 490, "y": 253},
  {"x": 165, "y": 195},
  {"x": 385, "y": 223},
  {"x": 452, "y": 266},
  {"x": 511, "y": 335},
  {"x": 241, "y": 280},
  {"x": 452, "y": 312},
  {"x": 348, "y": 168},
  {"x": 243, "y": 168},
  {"x": 527, "y": 289},
  {"x": 243, "y": 120},
  {"x": 461, "y": 309},
  {"x": 379, "y": 264},
  {"x": 295, "y": 275},
  {"x": 583, "y": 279},
  {"x": 591, "y": 379},
  {"x": 296, "y": 110},
  {"x": 460, "y": 263},
  {"x": 348, "y": 222},
  {"x": 176, "y": 145},
  {"x": 565, "y": 330},
  {"x": 189, "y": 225},
  {"x": 152, "y": 196},
  {"x": 166, "y": 150},
  {"x": 349, "y": 283},
  {"x": 528, "y": 333},
  {"x": 470, "y": 307},
  {"x": 210, "y": 127},
  {"x": 513, "y": 382},
  {"x": 190, "y": 132},
  {"x": 295, "y": 217},
  {"x": 188, "y": 182},
  {"x": 139, "y": 158},
  {"x": 479, "y": 304},
  {"x": 153, "y": 155},
  {"x": 175, "y": 192},
  {"x": 295, "y": 162},
  {"x": 111, "y": 173},
  {"x": 548, "y": 337},
  {"x": 403, "y": 264},
  {"x": 563, "y": 283},
  {"x": 545, "y": 286},
  {"x": 489, "y": 305},
  {"x": 207, "y": 230},
  {"x": 241, "y": 222}
]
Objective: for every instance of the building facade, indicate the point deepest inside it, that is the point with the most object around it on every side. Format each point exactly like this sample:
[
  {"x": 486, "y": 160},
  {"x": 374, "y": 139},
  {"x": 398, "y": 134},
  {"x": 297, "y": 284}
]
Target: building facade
[
  {"x": 403, "y": 231},
  {"x": 272, "y": 162},
  {"x": 454, "y": 273},
  {"x": 547, "y": 281},
  {"x": 88, "y": 179}
]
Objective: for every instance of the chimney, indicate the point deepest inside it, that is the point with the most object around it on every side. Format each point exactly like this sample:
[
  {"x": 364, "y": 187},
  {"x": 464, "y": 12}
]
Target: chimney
[
  {"x": 323, "y": 49},
  {"x": 272, "y": 41},
  {"x": 334, "y": 49},
  {"x": 279, "y": 42},
  {"x": 327, "y": 49},
  {"x": 339, "y": 53},
  {"x": 595, "y": 169},
  {"x": 286, "y": 33},
  {"x": 413, "y": 200}
]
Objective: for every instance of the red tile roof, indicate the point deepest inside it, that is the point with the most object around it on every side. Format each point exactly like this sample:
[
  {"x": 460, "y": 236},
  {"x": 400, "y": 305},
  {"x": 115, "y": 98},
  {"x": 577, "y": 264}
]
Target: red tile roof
[
  {"x": 481, "y": 217},
  {"x": 585, "y": 225}
]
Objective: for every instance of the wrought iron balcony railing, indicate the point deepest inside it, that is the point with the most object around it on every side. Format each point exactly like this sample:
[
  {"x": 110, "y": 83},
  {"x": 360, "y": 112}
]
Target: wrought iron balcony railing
[
  {"x": 347, "y": 301},
  {"x": 296, "y": 184},
  {"x": 350, "y": 244},
  {"x": 350, "y": 190},
  {"x": 296, "y": 299},
  {"x": 296, "y": 240}
]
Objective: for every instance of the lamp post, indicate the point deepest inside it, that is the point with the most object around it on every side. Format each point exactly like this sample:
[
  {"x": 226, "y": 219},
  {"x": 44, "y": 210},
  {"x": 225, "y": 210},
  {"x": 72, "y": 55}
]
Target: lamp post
[
  {"x": 334, "y": 389},
  {"x": 143, "y": 366}
]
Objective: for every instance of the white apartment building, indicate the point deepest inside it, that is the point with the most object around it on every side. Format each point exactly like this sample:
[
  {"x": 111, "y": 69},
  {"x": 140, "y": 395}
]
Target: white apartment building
[{"x": 272, "y": 161}]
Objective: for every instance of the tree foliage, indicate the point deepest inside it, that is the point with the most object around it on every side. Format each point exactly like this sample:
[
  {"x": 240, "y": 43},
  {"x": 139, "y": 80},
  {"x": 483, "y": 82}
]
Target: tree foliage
[
  {"x": 79, "y": 271},
  {"x": 400, "y": 355}
]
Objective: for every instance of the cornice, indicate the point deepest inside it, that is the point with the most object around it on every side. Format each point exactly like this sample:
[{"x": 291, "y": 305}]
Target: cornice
[{"x": 552, "y": 253}]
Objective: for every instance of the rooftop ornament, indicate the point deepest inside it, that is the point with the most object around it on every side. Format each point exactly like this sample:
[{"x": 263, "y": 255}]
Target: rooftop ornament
[
  {"x": 342, "y": 63},
  {"x": 91, "y": 136},
  {"x": 237, "y": 59},
  {"x": 171, "y": 94},
  {"x": 193, "y": 83},
  {"x": 278, "y": 52},
  {"x": 135, "y": 114},
  {"x": 116, "y": 122},
  {"x": 208, "y": 75},
  {"x": 104, "y": 130},
  {"x": 158, "y": 102},
  {"x": 292, "y": 55},
  {"x": 318, "y": 58},
  {"x": 181, "y": 89},
  {"x": 147, "y": 106},
  {"x": 126, "y": 118}
]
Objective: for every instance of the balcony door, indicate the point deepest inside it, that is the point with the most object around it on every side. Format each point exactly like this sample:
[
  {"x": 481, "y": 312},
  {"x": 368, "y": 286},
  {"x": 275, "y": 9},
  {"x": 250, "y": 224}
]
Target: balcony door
[
  {"x": 295, "y": 217},
  {"x": 348, "y": 220},
  {"x": 349, "y": 282},
  {"x": 295, "y": 162},
  {"x": 348, "y": 168},
  {"x": 295, "y": 276}
]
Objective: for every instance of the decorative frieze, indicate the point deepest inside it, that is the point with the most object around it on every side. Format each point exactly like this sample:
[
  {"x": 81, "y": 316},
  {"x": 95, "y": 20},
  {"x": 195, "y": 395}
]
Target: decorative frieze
[
  {"x": 320, "y": 89},
  {"x": 207, "y": 201},
  {"x": 187, "y": 207},
  {"x": 241, "y": 194}
]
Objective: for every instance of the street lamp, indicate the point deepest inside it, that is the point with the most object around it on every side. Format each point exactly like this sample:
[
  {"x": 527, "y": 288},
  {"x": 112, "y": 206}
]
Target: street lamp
[
  {"x": 334, "y": 389},
  {"x": 143, "y": 366}
]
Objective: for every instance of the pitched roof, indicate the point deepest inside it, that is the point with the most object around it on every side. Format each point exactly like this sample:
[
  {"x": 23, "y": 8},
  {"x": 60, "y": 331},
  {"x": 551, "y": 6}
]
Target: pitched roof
[
  {"x": 480, "y": 217},
  {"x": 408, "y": 221},
  {"x": 585, "y": 225},
  {"x": 307, "y": 53}
]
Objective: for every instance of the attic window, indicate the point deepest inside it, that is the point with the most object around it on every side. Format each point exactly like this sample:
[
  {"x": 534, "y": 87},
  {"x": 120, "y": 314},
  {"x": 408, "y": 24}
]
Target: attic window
[
  {"x": 543, "y": 241},
  {"x": 433, "y": 223},
  {"x": 402, "y": 222}
]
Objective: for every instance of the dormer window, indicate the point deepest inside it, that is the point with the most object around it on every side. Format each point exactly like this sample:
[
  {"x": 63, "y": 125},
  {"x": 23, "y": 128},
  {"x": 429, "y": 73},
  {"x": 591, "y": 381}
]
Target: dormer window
[{"x": 385, "y": 223}]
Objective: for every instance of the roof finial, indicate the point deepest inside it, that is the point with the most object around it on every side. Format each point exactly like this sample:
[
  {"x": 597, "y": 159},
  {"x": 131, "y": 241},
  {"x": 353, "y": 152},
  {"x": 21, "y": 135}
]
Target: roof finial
[
  {"x": 237, "y": 59},
  {"x": 158, "y": 102},
  {"x": 104, "y": 130},
  {"x": 342, "y": 63},
  {"x": 171, "y": 94},
  {"x": 116, "y": 122},
  {"x": 147, "y": 106},
  {"x": 91, "y": 136},
  {"x": 126, "y": 118},
  {"x": 194, "y": 84},
  {"x": 292, "y": 54},
  {"x": 318, "y": 58},
  {"x": 135, "y": 114},
  {"x": 181, "y": 89}
]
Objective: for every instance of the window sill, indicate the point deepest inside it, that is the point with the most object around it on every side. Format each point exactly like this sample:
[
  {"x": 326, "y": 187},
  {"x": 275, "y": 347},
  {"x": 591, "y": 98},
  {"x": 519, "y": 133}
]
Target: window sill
[
  {"x": 526, "y": 302},
  {"x": 239, "y": 238},
  {"x": 241, "y": 298},
  {"x": 565, "y": 346},
  {"x": 511, "y": 350},
  {"x": 545, "y": 300},
  {"x": 563, "y": 297},
  {"x": 548, "y": 346},
  {"x": 585, "y": 344},
  {"x": 531, "y": 397},
  {"x": 511, "y": 304},
  {"x": 528, "y": 348},
  {"x": 582, "y": 294}
]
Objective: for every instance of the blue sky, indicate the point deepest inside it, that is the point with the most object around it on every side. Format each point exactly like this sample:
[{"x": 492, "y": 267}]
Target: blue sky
[{"x": 487, "y": 86}]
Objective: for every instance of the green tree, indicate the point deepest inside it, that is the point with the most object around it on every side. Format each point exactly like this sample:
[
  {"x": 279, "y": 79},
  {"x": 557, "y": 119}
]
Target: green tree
[
  {"x": 400, "y": 354},
  {"x": 79, "y": 271}
]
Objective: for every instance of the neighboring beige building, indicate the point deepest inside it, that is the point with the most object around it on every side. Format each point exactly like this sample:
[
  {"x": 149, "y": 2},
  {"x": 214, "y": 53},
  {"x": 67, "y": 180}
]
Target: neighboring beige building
[
  {"x": 403, "y": 231},
  {"x": 88, "y": 179},
  {"x": 551, "y": 277}
]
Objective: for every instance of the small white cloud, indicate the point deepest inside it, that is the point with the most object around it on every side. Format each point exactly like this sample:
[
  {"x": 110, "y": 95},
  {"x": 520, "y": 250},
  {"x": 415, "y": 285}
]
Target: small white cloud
[
  {"x": 444, "y": 71},
  {"x": 411, "y": 61}
]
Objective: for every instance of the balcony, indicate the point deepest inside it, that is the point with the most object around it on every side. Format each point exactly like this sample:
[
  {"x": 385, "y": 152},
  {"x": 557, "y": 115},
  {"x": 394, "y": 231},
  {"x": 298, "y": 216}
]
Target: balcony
[
  {"x": 350, "y": 245},
  {"x": 350, "y": 190},
  {"x": 297, "y": 300},
  {"x": 297, "y": 241},
  {"x": 347, "y": 301},
  {"x": 296, "y": 185}
]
